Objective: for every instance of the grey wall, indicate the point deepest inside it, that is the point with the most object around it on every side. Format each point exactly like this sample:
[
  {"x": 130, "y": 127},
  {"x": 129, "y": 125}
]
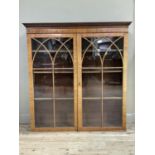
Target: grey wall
[{"x": 73, "y": 11}]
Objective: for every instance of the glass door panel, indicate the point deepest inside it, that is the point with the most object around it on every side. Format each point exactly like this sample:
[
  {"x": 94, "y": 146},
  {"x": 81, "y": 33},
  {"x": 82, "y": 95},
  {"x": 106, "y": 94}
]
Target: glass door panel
[
  {"x": 91, "y": 85},
  {"x": 42, "y": 85},
  {"x": 64, "y": 113},
  {"x": 92, "y": 113},
  {"x": 112, "y": 113},
  {"x": 112, "y": 84},
  {"x": 53, "y": 81},
  {"x": 102, "y": 67},
  {"x": 44, "y": 113},
  {"x": 64, "y": 85}
]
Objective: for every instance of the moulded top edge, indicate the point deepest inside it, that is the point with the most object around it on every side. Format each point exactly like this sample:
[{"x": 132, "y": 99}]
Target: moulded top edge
[{"x": 79, "y": 24}]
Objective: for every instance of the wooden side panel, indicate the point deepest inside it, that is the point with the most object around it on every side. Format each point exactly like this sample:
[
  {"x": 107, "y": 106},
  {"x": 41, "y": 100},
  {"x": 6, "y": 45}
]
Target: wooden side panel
[
  {"x": 79, "y": 82},
  {"x": 31, "y": 88},
  {"x": 125, "y": 79},
  {"x": 75, "y": 82}
]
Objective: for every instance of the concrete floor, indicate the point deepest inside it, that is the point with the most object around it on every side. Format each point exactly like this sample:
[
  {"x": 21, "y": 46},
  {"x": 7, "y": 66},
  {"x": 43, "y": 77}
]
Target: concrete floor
[{"x": 76, "y": 143}]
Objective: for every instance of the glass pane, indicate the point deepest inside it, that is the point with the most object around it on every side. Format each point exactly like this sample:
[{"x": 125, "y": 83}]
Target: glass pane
[
  {"x": 63, "y": 60},
  {"x": 43, "y": 85},
  {"x": 64, "y": 110},
  {"x": 64, "y": 54},
  {"x": 64, "y": 85},
  {"x": 112, "y": 84},
  {"x": 109, "y": 44},
  {"x": 42, "y": 60},
  {"x": 91, "y": 59},
  {"x": 113, "y": 59},
  {"x": 41, "y": 53},
  {"x": 46, "y": 50},
  {"x": 44, "y": 113},
  {"x": 114, "y": 52},
  {"x": 52, "y": 44},
  {"x": 119, "y": 43},
  {"x": 109, "y": 49},
  {"x": 112, "y": 113},
  {"x": 92, "y": 115},
  {"x": 91, "y": 85}
]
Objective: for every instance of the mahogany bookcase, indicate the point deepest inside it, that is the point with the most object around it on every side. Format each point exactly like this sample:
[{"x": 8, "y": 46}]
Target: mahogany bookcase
[{"x": 77, "y": 75}]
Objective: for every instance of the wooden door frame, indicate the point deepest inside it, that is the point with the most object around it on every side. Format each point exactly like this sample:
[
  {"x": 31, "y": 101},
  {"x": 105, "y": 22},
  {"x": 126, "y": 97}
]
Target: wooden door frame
[
  {"x": 31, "y": 85},
  {"x": 124, "y": 81}
]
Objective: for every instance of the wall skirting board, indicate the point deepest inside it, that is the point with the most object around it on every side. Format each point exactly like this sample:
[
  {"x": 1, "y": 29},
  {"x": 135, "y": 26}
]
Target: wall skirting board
[{"x": 25, "y": 118}]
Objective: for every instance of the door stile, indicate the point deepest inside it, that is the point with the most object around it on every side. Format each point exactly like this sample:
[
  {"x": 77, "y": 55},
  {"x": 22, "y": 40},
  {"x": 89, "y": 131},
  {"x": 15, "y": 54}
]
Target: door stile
[
  {"x": 125, "y": 80},
  {"x": 31, "y": 87},
  {"x": 79, "y": 83},
  {"x": 75, "y": 81}
]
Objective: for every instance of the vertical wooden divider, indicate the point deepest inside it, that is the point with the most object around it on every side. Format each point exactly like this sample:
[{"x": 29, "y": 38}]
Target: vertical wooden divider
[
  {"x": 79, "y": 82},
  {"x": 75, "y": 61},
  {"x": 125, "y": 80},
  {"x": 31, "y": 88}
]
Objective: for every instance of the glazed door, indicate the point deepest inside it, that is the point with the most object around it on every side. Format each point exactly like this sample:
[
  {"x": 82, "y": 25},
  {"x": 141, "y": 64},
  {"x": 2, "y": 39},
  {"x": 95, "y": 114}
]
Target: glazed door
[
  {"x": 54, "y": 95},
  {"x": 100, "y": 81},
  {"x": 77, "y": 81}
]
